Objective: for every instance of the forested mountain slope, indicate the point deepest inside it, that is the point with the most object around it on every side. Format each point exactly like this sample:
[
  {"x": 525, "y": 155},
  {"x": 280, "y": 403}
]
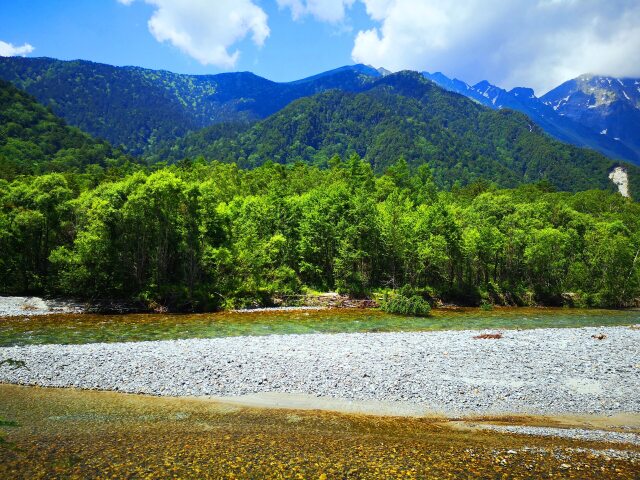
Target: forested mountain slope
[
  {"x": 405, "y": 115},
  {"x": 33, "y": 140},
  {"x": 137, "y": 107},
  {"x": 146, "y": 111}
]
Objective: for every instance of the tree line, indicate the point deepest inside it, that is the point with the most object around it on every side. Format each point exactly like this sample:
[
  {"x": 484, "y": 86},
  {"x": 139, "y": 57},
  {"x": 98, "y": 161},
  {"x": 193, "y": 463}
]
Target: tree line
[
  {"x": 199, "y": 236},
  {"x": 405, "y": 115}
]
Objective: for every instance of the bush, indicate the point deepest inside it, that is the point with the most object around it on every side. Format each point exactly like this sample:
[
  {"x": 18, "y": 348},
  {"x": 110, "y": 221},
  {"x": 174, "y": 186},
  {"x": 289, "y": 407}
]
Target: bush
[
  {"x": 401, "y": 304},
  {"x": 486, "y": 306}
]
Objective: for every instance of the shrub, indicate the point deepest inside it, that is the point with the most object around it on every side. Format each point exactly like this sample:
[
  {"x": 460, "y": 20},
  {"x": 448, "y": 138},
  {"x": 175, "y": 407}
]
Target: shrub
[
  {"x": 413, "y": 305},
  {"x": 486, "y": 306}
]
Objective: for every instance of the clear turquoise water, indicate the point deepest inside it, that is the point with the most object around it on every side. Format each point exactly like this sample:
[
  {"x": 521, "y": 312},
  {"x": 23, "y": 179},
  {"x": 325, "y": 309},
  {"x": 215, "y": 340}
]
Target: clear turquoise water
[{"x": 75, "y": 329}]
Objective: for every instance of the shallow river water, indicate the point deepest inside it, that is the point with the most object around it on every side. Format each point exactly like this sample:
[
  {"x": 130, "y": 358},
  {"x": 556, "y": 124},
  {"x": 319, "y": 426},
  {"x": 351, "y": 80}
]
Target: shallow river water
[
  {"x": 86, "y": 328},
  {"x": 65, "y": 433},
  {"x": 69, "y": 433}
]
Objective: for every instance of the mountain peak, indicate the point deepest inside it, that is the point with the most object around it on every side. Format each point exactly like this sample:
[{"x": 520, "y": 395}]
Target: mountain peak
[
  {"x": 381, "y": 70},
  {"x": 523, "y": 92},
  {"x": 608, "y": 105},
  {"x": 358, "y": 68},
  {"x": 483, "y": 85},
  {"x": 438, "y": 76}
]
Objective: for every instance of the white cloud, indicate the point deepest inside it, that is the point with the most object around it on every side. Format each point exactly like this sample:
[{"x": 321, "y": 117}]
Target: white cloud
[
  {"x": 205, "y": 29},
  {"x": 332, "y": 11},
  {"x": 538, "y": 43},
  {"x": 11, "y": 50}
]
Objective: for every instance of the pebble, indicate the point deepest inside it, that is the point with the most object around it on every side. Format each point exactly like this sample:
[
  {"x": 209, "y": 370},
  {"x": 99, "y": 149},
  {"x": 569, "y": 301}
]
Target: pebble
[{"x": 530, "y": 371}]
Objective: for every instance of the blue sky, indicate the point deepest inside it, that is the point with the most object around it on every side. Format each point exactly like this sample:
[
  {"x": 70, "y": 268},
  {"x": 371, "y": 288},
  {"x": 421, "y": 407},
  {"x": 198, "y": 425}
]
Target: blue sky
[
  {"x": 534, "y": 43},
  {"x": 107, "y": 31}
]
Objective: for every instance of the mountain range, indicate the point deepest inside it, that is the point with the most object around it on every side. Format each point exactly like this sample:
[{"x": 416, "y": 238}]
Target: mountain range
[
  {"x": 601, "y": 113},
  {"x": 405, "y": 115},
  {"x": 609, "y": 106},
  {"x": 380, "y": 116},
  {"x": 137, "y": 109}
]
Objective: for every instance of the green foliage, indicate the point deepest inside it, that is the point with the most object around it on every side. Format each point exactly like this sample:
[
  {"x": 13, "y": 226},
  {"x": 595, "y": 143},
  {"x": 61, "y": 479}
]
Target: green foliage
[
  {"x": 204, "y": 236},
  {"x": 405, "y": 116},
  {"x": 486, "y": 306},
  {"x": 405, "y": 302},
  {"x": 33, "y": 140}
]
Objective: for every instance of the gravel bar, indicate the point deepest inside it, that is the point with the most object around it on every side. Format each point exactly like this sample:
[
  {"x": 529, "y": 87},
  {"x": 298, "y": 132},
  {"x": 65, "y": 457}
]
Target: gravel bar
[
  {"x": 544, "y": 371},
  {"x": 573, "y": 433},
  {"x": 30, "y": 306}
]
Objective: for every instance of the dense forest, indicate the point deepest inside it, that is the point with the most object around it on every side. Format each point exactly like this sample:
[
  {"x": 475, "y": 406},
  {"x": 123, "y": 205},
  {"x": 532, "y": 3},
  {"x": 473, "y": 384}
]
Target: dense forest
[
  {"x": 356, "y": 192},
  {"x": 33, "y": 140},
  {"x": 136, "y": 108},
  {"x": 405, "y": 115},
  {"x": 204, "y": 236}
]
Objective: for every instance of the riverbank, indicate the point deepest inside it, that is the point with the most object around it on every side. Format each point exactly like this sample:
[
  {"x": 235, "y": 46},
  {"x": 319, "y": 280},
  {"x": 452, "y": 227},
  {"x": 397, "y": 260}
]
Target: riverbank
[
  {"x": 39, "y": 306},
  {"x": 542, "y": 371},
  {"x": 32, "y": 306}
]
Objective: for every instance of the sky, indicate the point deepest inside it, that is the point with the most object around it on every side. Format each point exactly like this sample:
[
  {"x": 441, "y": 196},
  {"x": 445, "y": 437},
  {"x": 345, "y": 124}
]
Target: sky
[{"x": 531, "y": 43}]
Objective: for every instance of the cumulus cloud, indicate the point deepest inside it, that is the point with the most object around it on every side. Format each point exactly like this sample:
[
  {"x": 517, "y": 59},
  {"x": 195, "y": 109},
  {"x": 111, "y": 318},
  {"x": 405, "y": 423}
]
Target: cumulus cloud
[
  {"x": 206, "y": 30},
  {"x": 11, "y": 50},
  {"x": 332, "y": 11},
  {"x": 537, "y": 43}
]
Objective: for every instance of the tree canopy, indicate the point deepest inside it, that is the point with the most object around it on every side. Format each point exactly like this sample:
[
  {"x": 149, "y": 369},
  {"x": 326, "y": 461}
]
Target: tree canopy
[
  {"x": 202, "y": 236},
  {"x": 33, "y": 140},
  {"x": 405, "y": 115}
]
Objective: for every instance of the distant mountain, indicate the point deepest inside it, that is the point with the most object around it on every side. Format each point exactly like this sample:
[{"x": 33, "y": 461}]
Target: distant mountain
[
  {"x": 359, "y": 68},
  {"x": 146, "y": 111},
  {"x": 405, "y": 115},
  {"x": 33, "y": 140},
  {"x": 609, "y": 106},
  {"x": 570, "y": 129},
  {"x": 383, "y": 71},
  {"x": 137, "y": 107}
]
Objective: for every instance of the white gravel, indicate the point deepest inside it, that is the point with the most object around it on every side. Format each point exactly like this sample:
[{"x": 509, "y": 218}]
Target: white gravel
[
  {"x": 573, "y": 433},
  {"x": 28, "y": 306},
  {"x": 543, "y": 371}
]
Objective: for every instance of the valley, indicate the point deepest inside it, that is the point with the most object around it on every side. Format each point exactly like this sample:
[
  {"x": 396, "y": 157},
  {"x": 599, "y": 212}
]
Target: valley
[{"x": 351, "y": 272}]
